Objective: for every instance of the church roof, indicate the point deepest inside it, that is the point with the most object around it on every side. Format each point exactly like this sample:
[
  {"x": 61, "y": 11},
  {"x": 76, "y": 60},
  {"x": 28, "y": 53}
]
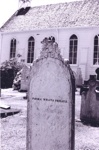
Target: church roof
[{"x": 73, "y": 14}]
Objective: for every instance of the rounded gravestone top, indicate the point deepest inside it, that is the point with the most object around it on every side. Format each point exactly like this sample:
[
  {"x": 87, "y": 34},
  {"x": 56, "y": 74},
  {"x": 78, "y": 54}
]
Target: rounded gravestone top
[
  {"x": 97, "y": 71},
  {"x": 92, "y": 77},
  {"x": 86, "y": 82}
]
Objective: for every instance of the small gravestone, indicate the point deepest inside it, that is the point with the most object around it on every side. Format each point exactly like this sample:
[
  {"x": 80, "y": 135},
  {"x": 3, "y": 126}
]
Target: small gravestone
[
  {"x": 90, "y": 101},
  {"x": 51, "y": 94},
  {"x": 78, "y": 77},
  {"x": 25, "y": 78}
]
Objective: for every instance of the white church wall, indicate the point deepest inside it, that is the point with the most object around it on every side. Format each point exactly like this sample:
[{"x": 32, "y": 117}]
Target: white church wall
[
  {"x": 92, "y": 68},
  {"x": 65, "y": 34},
  {"x": 85, "y": 48},
  {"x": 85, "y": 45},
  {"x": 87, "y": 51},
  {"x": 5, "y": 47}
]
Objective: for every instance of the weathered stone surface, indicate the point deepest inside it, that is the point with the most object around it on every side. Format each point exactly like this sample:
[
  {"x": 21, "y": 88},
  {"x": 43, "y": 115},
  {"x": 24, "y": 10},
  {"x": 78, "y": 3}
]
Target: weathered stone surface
[
  {"x": 50, "y": 124},
  {"x": 79, "y": 77},
  {"x": 25, "y": 78}
]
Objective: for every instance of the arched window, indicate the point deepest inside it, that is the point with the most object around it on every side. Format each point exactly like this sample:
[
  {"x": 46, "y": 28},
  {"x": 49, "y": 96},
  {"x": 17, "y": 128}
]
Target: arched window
[
  {"x": 73, "y": 42},
  {"x": 30, "y": 50},
  {"x": 12, "y": 48},
  {"x": 96, "y": 50}
]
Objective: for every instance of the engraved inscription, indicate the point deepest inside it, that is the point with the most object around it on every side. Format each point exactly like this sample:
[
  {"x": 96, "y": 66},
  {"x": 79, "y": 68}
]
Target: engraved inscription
[{"x": 52, "y": 100}]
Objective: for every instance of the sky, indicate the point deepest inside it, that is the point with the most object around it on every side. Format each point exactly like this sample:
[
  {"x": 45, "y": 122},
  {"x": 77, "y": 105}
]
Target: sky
[{"x": 8, "y": 7}]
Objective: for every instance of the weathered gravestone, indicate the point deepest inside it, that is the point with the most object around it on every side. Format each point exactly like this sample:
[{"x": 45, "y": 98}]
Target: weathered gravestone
[
  {"x": 25, "y": 78},
  {"x": 78, "y": 77},
  {"x": 90, "y": 101},
  {"x": 50, "y": 123}
]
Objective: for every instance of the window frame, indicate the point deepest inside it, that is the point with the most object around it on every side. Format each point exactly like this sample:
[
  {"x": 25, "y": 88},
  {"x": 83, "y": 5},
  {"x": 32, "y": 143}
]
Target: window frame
[
  {"x": 96, "y": 50},
  {"x": 73, "y": 49},
  {"x": 13, "y": 48},
  {"x": 31, "y": 45}
]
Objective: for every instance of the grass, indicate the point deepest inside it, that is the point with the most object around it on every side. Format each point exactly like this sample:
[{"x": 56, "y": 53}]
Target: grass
[{"x": 13, "y": 128}]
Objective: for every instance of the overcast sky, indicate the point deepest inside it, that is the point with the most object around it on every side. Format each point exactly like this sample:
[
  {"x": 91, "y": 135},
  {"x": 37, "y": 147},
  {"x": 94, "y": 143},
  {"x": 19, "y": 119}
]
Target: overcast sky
[{"x": 8, "y": 7}]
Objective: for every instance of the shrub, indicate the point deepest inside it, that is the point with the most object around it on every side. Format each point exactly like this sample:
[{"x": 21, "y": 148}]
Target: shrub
[{"x": 8, "y": 71}]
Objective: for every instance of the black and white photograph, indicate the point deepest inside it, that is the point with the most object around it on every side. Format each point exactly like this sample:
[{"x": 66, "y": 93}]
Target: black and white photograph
[{"x": 49, "y": 75}]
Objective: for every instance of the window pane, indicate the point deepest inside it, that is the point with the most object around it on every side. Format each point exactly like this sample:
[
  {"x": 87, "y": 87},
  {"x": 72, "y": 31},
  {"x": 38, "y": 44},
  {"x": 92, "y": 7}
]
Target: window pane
[
  {"x": 70, "y": 60},
  {"x": 73, "y": 49},
  {"x": 71, "y": 42},
  {"x": 30, "y": 50},
  {"x": 75, "y": 42},
  {"x": 32, "y": 44},
  {"x": 95, "y": 55},
  {"x": 29, "y": 43},
  {"x": 96, "y": 50},
  {"x": 74, "y": 61},
  {"x": 75, "y": 54},
  {"x": 70, "y": 54},
  {"x": 96, "y": 42},
  {"x": 13, "y": 48},
  {"x": 14, "y": 43}
]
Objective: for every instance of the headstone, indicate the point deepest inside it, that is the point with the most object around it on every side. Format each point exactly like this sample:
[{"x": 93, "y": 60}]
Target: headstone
[
  {"x": 84, "y": 87},
  {"x": 78, "y": 77},
  {"x": 51, "y": 95},
  {"x": 25, "y": 78},
  {"x": 17, "y": 81},
  {"x": 90, "y": 101}
]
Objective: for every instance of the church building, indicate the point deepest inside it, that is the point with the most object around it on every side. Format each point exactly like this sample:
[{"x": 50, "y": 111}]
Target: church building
[{"x": 74, "y": 25}]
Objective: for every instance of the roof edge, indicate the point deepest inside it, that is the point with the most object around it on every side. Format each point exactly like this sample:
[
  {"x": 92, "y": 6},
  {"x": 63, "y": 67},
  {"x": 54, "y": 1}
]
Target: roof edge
[
  {"x": 65, "y": 28},
  {"x": 8, "y": 20}
]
